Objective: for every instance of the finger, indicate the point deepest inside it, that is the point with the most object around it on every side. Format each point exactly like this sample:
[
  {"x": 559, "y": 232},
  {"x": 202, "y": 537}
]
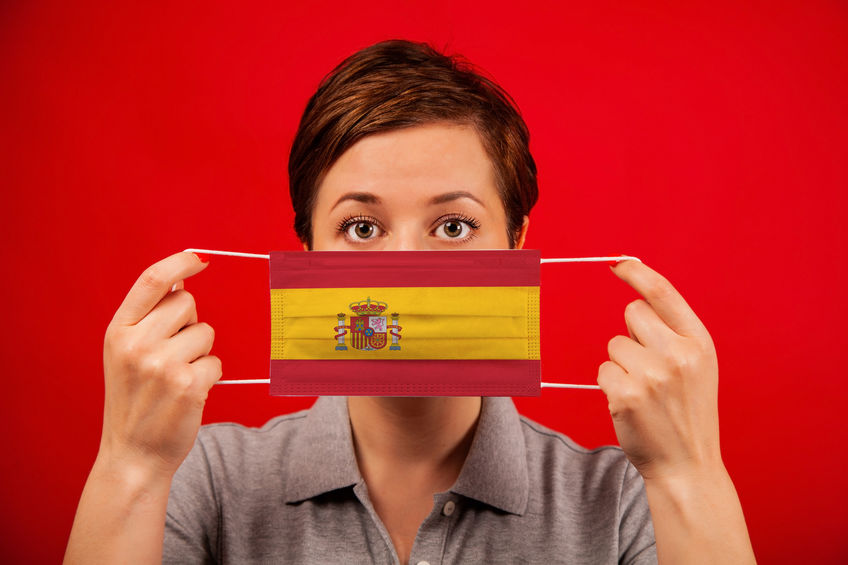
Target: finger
[
  {"x": 208, "y": 370},
  {"x": 645, "y": 326},
  {"x": 191, "y": 343},
  {"x": 620, "y": 388},
  {"x": 662, "y": 296},
  {"x": 611, "y": 377},
  {"x": 154, "y": 283},
  {"x": 174, "y": 312},
  {"x": 626, "y": 353}
]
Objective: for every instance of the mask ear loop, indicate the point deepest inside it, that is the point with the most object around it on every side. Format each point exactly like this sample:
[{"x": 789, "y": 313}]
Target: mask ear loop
[{"x": 543, "y": 261}]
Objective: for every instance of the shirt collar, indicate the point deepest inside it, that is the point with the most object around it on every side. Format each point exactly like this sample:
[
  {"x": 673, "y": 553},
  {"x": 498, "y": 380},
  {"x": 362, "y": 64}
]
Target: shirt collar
[
  {"x": 495, "y": 471},
  {"x": 321, "y": 457}
]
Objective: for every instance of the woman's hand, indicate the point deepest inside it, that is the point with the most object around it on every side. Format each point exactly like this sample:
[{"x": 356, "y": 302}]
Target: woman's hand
[
  {"x": 662, "y": 387},
  {"x": 662, "y": 381},
  {"x": 158, "y": 370}
]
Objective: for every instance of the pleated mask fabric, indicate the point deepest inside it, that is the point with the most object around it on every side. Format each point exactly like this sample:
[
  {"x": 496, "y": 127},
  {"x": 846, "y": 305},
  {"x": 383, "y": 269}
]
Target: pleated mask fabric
[{"x": 405, "y": 323}]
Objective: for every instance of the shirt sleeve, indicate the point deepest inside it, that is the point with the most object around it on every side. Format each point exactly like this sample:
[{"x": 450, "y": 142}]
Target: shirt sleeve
[
  {"x": 637, "y": 544},
  {"x": 192, "y": 523}
]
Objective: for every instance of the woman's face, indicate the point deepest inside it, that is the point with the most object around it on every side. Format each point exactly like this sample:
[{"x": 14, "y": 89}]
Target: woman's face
[{"x": 419, "y": 188}]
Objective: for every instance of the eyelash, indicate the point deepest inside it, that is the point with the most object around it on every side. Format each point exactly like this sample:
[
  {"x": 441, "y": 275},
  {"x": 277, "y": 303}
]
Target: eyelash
[
  {"x": 348, "y": 221},
  {"x": 458, "y": 217},
  {"x": 468, "y": 220},
  {"x": 473, "y": 223}
]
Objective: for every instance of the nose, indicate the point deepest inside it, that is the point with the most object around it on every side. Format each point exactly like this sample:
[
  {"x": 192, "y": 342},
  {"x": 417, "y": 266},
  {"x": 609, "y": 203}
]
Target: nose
[{"x": 405, "y": 238}]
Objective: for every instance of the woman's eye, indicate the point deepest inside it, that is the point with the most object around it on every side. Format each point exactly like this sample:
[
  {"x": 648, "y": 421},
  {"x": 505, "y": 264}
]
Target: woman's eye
[
  {"x": 453, "y": 229},
  {"x": 362, "y": 230}
]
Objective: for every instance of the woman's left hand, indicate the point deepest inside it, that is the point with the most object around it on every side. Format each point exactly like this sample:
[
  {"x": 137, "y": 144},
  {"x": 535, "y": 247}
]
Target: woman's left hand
[{"x": 662, "y": 382}]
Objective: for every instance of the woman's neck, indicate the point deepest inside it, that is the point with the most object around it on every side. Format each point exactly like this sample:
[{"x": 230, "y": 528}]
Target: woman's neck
[
  {"x": 407, "y": 450},
  {"x": 423, "y": 435}
]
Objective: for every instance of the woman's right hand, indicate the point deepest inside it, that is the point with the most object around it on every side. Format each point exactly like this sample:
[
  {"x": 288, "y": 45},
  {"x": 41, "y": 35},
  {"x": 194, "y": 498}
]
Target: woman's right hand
[{"x": 158, "y": 371}]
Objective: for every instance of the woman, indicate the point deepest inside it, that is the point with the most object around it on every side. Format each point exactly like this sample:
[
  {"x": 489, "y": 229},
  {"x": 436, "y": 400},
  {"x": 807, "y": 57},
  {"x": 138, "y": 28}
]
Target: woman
[{"x": 403, "y": 148}]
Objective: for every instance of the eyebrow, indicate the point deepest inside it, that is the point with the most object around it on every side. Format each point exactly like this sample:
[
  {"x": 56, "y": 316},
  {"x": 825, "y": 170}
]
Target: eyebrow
[
  {"x": 456, "y": 195},
  {"x": 364, "y": 197},
  {"x": 370, "y": 198}
]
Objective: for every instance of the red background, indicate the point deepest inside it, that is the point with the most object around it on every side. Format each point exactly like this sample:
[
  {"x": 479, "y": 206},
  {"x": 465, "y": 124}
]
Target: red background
[{"x": 708, "y": 139}]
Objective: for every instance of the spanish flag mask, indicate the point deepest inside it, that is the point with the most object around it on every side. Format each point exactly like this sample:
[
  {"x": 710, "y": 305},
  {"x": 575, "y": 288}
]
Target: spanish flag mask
[{"x": 406, "y": 323}]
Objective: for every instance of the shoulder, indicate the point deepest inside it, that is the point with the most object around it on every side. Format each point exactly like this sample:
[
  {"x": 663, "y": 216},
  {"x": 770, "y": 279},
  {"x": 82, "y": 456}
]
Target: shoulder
[
  {"x": 596, "y": 495},
  {"x": 560, "y": 468},
  {"x": 226, "y": 435},
  {"x": 550, "y": 444},
  {"x": 243, "y": 449},
  {"x": 227, "y": 468}
]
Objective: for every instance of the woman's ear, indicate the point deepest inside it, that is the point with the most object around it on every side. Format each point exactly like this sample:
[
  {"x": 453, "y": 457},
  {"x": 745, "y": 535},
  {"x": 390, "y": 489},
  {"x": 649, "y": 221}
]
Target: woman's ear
[{"x": 522, "y": 233}]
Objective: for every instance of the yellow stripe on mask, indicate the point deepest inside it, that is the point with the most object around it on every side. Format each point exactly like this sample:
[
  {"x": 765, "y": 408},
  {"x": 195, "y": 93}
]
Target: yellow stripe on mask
[{"x": 435, "y": 322}]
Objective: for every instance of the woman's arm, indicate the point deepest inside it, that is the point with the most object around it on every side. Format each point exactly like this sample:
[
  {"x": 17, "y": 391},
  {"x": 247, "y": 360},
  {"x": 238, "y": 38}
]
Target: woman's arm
[
  {"x": 158, "y": 372},
  {"x": 662, "y": 387}
]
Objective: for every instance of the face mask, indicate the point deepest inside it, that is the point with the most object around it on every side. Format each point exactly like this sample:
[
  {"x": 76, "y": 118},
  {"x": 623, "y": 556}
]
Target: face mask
[{"x": 406, "y": 323}]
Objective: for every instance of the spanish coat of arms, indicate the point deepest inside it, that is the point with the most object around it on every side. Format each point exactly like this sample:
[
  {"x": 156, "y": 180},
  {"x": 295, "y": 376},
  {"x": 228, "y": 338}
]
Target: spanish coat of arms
[{"x": 369, "y": 327}]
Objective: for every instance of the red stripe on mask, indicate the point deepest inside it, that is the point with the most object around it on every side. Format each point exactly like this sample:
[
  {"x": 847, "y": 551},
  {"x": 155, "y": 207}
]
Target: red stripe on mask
[
  {"x": 407, "y": 377},
  {"x": 358, "y": 269}
]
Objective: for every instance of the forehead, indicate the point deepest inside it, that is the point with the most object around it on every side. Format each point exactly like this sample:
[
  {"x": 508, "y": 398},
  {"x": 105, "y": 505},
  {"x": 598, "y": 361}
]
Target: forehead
[{"x": 419, "y": 160}]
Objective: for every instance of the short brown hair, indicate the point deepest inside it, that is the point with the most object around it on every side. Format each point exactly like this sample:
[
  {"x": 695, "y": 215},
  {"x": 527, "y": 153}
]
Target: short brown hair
[{"x": 397, "y": 84}]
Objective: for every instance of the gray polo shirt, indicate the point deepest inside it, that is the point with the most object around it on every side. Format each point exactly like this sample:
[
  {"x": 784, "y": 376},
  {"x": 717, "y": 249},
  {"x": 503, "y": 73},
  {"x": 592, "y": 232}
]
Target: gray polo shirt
[{"x": 291, "y": 492}]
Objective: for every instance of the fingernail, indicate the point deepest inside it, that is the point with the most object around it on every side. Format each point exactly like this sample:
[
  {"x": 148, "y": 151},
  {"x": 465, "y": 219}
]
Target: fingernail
[
  {"x": 616, "y": 262},
  {"x": 203, "y": 258}
]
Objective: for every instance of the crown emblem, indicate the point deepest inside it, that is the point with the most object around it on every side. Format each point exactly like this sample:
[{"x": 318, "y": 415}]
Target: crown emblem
[
  {"x": 368, "y": 307},
  {"x": 370, "y": 328}
]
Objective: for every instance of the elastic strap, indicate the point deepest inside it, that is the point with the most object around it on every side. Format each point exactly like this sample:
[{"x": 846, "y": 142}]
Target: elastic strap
[
  {"x": 543, "y": 260},
  {"x": 268, "y": 381}
]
